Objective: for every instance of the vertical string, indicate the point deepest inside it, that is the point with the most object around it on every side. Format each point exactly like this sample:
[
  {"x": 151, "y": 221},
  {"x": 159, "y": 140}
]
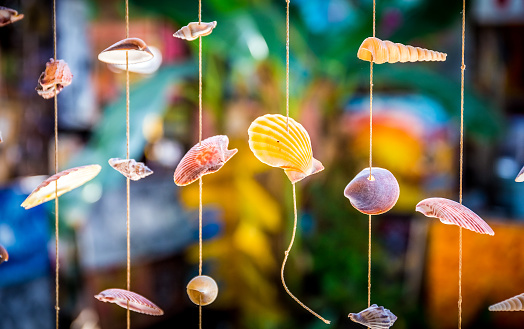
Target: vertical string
[
  {"x": 128, "y": 185},
  {"x": 287, "y": 66},
  {"x": 200, "y": 143}
]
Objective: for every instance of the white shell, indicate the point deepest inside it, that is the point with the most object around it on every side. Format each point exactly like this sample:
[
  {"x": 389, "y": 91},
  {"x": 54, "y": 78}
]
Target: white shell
[
  {"x": 136, "y": 48},
  {"x": 512, "y": 304},
  {"x": 194, "y": 30},
  {"x": 374, "y": 317},
  {"x": 202, "y": 290},
  {"x": 130, "y": 168}
]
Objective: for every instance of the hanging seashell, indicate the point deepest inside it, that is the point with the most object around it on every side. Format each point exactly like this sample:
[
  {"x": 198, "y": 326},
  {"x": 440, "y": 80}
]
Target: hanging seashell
[
  {"x": 202, "y": 159},
  {"x": 375, "y": 195},
  {"x": 194, "y": 30},
  {"x": 451, "y": 212},
  {"x": 374, "y": 317},
  {"x": 8, "y": 16},
  {"x": 202, "y": 290},
  {"x": 512, "y": 304},
  {"x": 130, "y": 168},
  {"x": 55, "y": 77},
  {"x": 137, "y": 302},
  {"x": 67, "y": 180},
  {"x": 4, "y": 256},
  {"x": 272, "y": 144},
  {"x": 520, "y": 176},
  {"x": 1, "y": 140},
  {"x": 378, "y": 51},
  {"x": 137, "y": 50},
  {"x": 148, "y": 67}
]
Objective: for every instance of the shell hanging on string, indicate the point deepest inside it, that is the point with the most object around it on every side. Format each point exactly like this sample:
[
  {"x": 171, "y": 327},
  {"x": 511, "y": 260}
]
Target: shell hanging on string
[
  {"x": 136, "y": 48},
  {"x": 374, "y": 317},
  {"x": 202, "y": 290},
  {"x": 148, "y": 67},
  {"x": 520, "y": 176},
  {"x": 130, "y": 168},
  {"x": 378, "y": 51},
  {"x": 137, "y": 303},
  {"x": 4, "y": 256},
  {"x": 8, "y": 16},
  {"x": 373, "y": 196},
  {"x": 56, "y": 76},
  {"x": 67, "y": 180},
  {"x": 272, "y": 144},
  {"x": 451, "y": 212},
  {"x": 511, "y": 304},
  {"x": 202, "y": 159},
  {"x": 194, "y": 30}
]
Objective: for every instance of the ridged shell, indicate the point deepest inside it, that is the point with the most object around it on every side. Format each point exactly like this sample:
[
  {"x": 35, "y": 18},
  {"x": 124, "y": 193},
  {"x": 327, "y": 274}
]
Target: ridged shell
[
  {"x": 202, "y": 290},
  {"x": 194, "y": 30},
  {"x": 451, "y": 212},
  {"x": 202, "y": 159},
  {"x": 375, "y": 196},
  {"x": 374, "y": 317},
  {"x": 56, "y": 76},
  {"x": 512, "y": 304},
  {"x": 378, "y": 51},
  {"x": 67, "y": 180},
  {"x": 130, "y": 168},
  {"x": 8, "y": 16},
  {"x": 137, "y": 302},
  {"x": 520, "y": 176},
  {"x": 4, "y": 256},
  {"x": 116, "y": 54},
  {"x": 275, "y": 146}
]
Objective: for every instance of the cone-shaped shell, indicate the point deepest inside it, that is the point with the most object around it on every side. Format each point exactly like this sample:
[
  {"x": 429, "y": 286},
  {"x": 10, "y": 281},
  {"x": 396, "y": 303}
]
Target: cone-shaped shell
[
  {"x": 275, "y": 146},
  {"x": 4, "y": 256},
  {"x": 202, "y": 290},
  {"x": 8, "y": 16},
  {"x": 137, "y": 302},
  {"x": 520, "y": 176},
  {"x": 194, "y": 30},
  {"x": 451, "y": 212},
  {"x": 56, "y": 76},
  {"x": 374, "y": 317},
  {"x": 379, "y": 52},
  {"x": 130, "y": 168},
  {"x": 202, "y": 159},
  {"x": 116, "y": 54},
  {"x": 67, "y": 180},
  {"x": 512, "y": 304},
  {"x": 373, "y": 196}
]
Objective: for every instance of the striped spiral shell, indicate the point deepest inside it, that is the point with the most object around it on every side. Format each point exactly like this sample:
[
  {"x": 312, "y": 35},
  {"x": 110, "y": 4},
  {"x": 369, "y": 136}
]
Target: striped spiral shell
[
  {"x": 130, "y": 168},
  {"x": 378, "y": 51},
  {"x": 56, "y": 76},
  {"x": 512, "y": 304},
  {"x": 8, "y": 16},
  {"x": 137, "y": 302},
  {"x": 374, "y": 317},
  {"x": 194, "y": 30}
]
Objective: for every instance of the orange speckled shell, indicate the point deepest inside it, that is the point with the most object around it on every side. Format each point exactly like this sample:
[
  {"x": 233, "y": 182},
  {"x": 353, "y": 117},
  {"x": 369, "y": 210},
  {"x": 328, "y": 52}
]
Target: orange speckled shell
[
  {"x": 56, "y": 76},
  {"x": 137, "y": 303},
  {"x": 194, "y": 30},
  {"x": 378, "y": 51},
  {"x": 511, "y": 304}
]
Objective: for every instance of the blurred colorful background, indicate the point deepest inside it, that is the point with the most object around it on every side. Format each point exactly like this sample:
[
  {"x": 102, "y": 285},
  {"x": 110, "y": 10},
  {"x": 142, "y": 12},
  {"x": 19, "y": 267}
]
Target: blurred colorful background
[{"x": 248, "y": 210}]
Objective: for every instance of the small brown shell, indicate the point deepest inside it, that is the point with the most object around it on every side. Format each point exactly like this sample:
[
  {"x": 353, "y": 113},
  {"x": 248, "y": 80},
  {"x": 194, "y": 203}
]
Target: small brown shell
[
  {"x": 520, "y": 176},
  {"x": 137, "y": 302},
  {"x": 194, "y": 30},
  {"x": 379, "y": 52},
  {"x": 202, "y": 290},
  {"x": 373, "y": 196},
  {"x": 511, "y": 304},
  {"x": 8, "y": 16},
  {"x": 374, "y": 317},
  {"x": 136, "y": 48},
  {"x": 56, "y": 76},
  {"x": 4, "y": 256},
  {"x": 130, "y": 168}
]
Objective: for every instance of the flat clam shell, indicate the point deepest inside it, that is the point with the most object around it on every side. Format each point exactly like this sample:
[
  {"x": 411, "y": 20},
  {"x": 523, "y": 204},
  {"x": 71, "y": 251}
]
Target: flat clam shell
[
  {"x": 374, "y": 317},
  {"x": 202, "y": 290},
  {"x": 130, "y": 168},
  {"x": 202, "y": 159},
  {"x": 511, "y": 304},
  {"x": 274, "y": 145},
  {"x": 194, "y": 30},
  {"x": 4, "y": 256},
  {"x": 137, "y": 302},
  {"x": 135, "y": 47},
  {"x": 451, "y": 212},
  {"x": 375, "y": 196},
  {"x": 520, "y": 176},
  {"x": 67, "y": 180},
  {"x": 8, "y": 16},
  {"x": 379, "y": 52}
]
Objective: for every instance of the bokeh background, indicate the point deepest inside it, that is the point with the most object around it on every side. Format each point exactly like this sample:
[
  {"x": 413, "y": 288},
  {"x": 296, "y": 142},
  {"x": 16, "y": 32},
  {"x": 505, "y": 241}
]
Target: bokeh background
[{"x": 248, "y": 205}]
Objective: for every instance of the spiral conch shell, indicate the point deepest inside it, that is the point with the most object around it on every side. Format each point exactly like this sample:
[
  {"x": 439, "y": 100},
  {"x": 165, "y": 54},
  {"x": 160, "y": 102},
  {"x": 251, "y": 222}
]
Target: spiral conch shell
[
  {"x": 130, "y": 168},
  {"x": 375, "y": 195},
  {"x": 194, "y": 30},
  {"x": 378, "y": 51},
  {"x": 374, "y": 317},
  {"x": 275, "y": 146},
  {"x": 451, "y": 212},
  {"x": 137, "y": 302},
  {"x": 202, "y": 290},
  {"x": 8, "y": 16},
  {"x": 512, "y": 304},
  {"x": 56, "y": 76},
  {"x": 520, "y": 176},
  {"x": 136, "y": 49},
  {"x": 4, "y": 256}
]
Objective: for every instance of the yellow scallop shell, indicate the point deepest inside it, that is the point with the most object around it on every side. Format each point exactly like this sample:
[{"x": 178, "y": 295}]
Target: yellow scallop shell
[{"x": 272, "y": 144}]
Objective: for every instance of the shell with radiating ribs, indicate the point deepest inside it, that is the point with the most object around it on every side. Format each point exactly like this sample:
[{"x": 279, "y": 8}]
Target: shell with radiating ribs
[
  {"x": 56, "y": 76},
  {"x": 194, "y": 30},
  {"x": 130, "y": 168},
  {"x": 137, "y": 302},
  {"x": 8, "y": 16},
  {"x": 374, "y": 317},
  {"x": 378, "y": 51},
  {"x": 4, "y": 256},
  {"x": 202, "y": 159},
  {"x": 202, "y": 290},
  {"x": 511, "y": 304},
  {"x": 136, "y": 49},
  {"x": 451, "y": 212},
  {"x": 272, "y": 144}
]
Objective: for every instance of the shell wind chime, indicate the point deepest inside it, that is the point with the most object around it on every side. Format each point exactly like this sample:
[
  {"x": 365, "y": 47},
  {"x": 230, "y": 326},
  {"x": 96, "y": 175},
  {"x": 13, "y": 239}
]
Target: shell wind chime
[{"x": 56, "y": 76}]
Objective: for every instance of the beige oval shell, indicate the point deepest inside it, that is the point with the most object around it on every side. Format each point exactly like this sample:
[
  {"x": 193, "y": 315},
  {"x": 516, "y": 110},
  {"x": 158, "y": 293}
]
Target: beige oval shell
[
  {"x": 136, "y": 48},
  {"x": 202, "y": 290},
  {"x": 137, "y": 303},
  {"x": 379, "y": 52},
  {"x": 511, "y": 304},
  {"x": 194, "y": 30}
]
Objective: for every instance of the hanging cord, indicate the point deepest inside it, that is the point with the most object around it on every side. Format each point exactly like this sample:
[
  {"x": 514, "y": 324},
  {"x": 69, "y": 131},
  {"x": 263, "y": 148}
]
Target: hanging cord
[
  {"x": 200, "y": 143},
  {"x": 287, "y": 66},
  {"x": 128, "y": 185}
]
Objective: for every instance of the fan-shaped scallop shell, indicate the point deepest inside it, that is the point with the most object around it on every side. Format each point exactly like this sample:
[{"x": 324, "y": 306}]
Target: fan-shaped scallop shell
[
  {"x": 374, "y": 317},
  {"x": 194, "y": 30},
  {"x": 4, "y": 256},
  {"x": 451, "y": 212},
  {"x": 136, "y": 48},
  {"x": 56, "y": 76},
  {"x": 373, "y": 196},
  {"x": 202, "y": 159},
  {"x": 272, "y": 144},
  {"x": 137, "y": 302},
  {"x": 378, "y": 51},
  {"x": 202, "y": 290},
  {"x": 67, "y": 180},
  {"x": 520, "y": 176},
  {"x": 512, "y": 304},
  {"x": 130, "y": 168},
  {"x": 8, "y": 16}
]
